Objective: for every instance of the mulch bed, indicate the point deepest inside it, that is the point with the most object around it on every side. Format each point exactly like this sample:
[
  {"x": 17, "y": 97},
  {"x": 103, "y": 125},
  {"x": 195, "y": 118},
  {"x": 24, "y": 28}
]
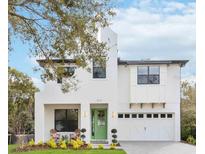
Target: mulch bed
[{"x": 25, "y": 148}]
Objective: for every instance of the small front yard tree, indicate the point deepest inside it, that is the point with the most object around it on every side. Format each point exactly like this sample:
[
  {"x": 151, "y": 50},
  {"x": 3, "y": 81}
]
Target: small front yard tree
[
  {"x": 114, "y": 140},
  {"x": 83, "y": 130}
]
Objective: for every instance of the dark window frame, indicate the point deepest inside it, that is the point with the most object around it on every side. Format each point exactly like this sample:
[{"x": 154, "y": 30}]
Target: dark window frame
[
  {"x": 119, "y": 115},
  {"x": 127, "y": 114},
  {"x": 169, "y": 115},
  {"x": 155, "y": 115},
  {"x": 96, "y": 68},
  {"x": 68, "y": 72},
  {"x": 162, "y": 116},
  {"x": 139, "y": 115},
  {"x": 134, "y": 115},
  {"x": 149, "y": 115},
  {"x": 148, "y": 76},
  {"x": 66, "y": 121}
]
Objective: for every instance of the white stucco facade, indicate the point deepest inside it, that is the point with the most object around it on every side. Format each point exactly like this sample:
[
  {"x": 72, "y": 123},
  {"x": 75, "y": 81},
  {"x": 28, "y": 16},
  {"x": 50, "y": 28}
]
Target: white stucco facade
[{"x": 118, "y": 93}]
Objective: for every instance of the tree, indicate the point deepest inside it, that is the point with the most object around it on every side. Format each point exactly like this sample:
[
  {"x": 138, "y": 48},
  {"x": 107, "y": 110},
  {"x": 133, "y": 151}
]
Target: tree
[
  {"x": 188, "y": 110},
  {"x": 21, "y": 102},
  {"x": 60, "y": 29}
]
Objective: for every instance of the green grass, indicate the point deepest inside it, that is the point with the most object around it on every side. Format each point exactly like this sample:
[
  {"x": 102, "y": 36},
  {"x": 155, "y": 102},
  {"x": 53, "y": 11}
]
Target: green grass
[{"x": 58, "y": 151}]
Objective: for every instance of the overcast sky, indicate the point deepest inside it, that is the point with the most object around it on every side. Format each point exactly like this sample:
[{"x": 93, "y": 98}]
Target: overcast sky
[{"x": 147, "y": 29}]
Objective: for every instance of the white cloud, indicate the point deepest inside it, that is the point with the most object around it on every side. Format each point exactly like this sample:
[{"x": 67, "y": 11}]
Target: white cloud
[{"x": 165, "y": 31}]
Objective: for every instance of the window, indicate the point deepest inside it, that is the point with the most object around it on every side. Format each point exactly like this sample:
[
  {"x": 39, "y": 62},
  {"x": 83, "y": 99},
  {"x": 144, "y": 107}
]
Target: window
[
  {"x": 155, "y": 115},
  {"x": 149, "y": 115},
  {"x": 169, "y": 115},
  {"x": 140, "y": 115},
  {"x": 67, "y": 72},
  {"x": 59, "y": 80},
  {"x": 120, "y": 115},
  {"x": 134, "y": 115},
  {"x": 66, "y": 120},
  {"x": 127, "y": 115},
  {"x": 99, "y": 70},
  {"x": 163, "y": 115},
  {"x": 148, "y": 75}
]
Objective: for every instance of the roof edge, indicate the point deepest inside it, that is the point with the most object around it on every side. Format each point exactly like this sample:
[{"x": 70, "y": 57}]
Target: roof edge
[{"x": 143, "y": 62}]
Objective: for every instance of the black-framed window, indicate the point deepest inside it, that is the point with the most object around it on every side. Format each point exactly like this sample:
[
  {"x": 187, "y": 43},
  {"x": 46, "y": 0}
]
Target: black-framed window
[
  {"x": 149, "y": 115},
  {"x": 127, "y": 115},
  {"x": 163, "y": 115},
  {"x": 99, "y": 70},
  {"x": 155, "y": 115},
  {"x": 140, "y": 115},
  {"x": 148, "y": 74},
  {"x": 67, "y": 72},
  {"x": 120, "y": 115},
  {"x": 59, "y": 80},
  {"x": 169, "y": 115},
  {"x": 134, "y": 115},
  {"x": 66, "y": 120}
]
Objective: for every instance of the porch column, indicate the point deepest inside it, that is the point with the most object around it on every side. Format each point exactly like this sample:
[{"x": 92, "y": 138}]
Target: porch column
[
  {"x": 85, "y": 120},
  {"x": 39, "y": 119}
]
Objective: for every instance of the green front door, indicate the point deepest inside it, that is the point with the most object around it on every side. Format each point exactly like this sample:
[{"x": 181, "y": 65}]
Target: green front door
[{"x": 99, "y": 123}]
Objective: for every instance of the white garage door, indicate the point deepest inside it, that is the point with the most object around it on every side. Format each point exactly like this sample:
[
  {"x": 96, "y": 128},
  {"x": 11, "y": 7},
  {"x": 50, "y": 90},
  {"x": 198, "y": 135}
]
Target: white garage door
[{"x": 146, "y": 127}]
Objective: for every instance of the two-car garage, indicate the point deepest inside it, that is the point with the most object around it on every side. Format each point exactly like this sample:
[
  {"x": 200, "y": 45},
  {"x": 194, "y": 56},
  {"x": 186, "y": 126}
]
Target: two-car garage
[{"x": 146, "y": 126}]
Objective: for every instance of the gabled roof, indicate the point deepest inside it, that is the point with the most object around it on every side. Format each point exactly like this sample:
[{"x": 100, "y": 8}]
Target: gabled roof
[{"x": 150, "y": 62}]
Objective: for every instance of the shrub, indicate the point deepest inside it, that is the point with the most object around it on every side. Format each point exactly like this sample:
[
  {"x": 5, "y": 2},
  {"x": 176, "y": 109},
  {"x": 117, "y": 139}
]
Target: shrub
[
  {"x": 114, "y": 141},
  {"x": 114, "y": 131},
  {"x": 40, "y": 142},
  {"x": 112, "y": 146},
  {"x": 100, "y": 146},
  {"x": 83, "y": 136},
  {"x": 191, "y": 140},
  {"x": 79, "y": 142},
  {"x": 76, "y": 146},
  {"x": 63, "y": 145},
  {"x": 76, "y": 143},
  {"x": 83, "y": 130},
  {"x": 31, "y": 142},
  {"x": 89, "y": 146},
  {"x": 51, "y": 143}
]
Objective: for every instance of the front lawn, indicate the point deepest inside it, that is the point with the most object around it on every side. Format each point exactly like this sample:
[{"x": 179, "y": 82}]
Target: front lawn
[{"x": 59, "y": 151}]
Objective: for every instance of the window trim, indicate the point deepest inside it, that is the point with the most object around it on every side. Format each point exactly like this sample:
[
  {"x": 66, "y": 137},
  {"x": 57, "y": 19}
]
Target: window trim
[
  {"x": 120, "y": 117},
  {"x": 99, "y": 67},
  {"x": 147, "y": 75},
  {"x": 127, "y": 114},
  {"x": 65, "y": 119},
  {"x": 140, "y": 114}
]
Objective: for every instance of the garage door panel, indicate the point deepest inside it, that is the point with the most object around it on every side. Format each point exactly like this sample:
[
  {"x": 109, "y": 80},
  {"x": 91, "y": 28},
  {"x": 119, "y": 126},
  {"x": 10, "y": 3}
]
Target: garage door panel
[{"x": 146, "y": 129}]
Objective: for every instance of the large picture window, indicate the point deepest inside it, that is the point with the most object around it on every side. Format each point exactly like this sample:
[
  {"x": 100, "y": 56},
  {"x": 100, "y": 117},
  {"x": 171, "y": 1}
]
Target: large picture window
[
  {"x": 66, "y": 120},
  {"x": 99, "y": 70},
  {"x": 148, "y": 75}
]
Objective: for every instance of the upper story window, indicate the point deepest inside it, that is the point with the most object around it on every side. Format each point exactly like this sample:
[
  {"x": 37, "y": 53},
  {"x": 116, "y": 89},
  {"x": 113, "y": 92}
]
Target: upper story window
[
  {"x": 67, "y": 72},
  {"x": 148, "y": 75},
  {"x": 99, "y": 70}
]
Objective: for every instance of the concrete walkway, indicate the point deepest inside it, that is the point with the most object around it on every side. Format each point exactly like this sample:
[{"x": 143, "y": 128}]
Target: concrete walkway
[{"x": 158, "y": 148}]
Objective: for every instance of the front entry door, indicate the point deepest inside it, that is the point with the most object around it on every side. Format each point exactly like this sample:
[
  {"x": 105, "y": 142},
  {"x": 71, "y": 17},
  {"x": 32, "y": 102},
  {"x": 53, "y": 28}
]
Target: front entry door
[{"x": 99, "y": 123}]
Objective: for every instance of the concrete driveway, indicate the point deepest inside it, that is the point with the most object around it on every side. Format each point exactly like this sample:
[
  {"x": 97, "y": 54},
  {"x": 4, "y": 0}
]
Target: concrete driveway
[{"x": 158, "y": 148}]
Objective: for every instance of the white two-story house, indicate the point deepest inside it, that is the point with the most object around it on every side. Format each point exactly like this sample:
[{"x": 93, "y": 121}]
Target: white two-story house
[{"x": 141, "y": 99}]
